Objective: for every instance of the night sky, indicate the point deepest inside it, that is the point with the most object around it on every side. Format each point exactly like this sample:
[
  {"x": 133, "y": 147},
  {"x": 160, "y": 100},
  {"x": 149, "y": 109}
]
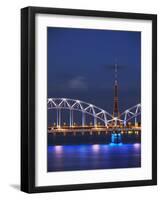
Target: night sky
[{"x": 81, "y": 65}]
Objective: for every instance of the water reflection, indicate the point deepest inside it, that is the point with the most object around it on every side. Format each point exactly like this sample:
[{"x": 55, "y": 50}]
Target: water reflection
[
  {"x": 95, "y": 147},
  {"x": 137, "y": 145},
  {"x": 96, "y": 156},
  {"x": 58, "y": 149}
]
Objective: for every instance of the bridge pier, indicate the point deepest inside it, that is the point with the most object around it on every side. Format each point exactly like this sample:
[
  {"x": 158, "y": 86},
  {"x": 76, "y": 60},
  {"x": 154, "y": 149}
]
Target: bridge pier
[
  {"x": 116, "y": 138},
  {"x": 54, "y": 133}
]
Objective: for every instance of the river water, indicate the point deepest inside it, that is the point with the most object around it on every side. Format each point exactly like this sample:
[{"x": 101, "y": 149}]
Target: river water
[{"x": 96, "y": 156}]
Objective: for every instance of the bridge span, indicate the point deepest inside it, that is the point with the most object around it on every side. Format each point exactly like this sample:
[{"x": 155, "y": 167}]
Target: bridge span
[{"x": 126, "y": 122}]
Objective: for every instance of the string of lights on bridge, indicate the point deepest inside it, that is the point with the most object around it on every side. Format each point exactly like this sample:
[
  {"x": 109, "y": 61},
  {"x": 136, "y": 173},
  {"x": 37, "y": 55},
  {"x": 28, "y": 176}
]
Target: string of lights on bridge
[{"x": 59, "y": 104}]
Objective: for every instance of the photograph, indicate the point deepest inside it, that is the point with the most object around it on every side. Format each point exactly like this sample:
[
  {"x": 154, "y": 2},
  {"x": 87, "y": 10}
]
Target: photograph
[
  {"x": 93, "y": 99},
  {"x": 89, "y": 88}
]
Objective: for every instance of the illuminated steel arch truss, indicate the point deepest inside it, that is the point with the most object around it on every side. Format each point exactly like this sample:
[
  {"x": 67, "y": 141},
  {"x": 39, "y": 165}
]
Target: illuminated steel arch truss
[
  {"x": 131, "y": 113},
  {"x": 94, "y": 111},
  {"x": 77, "y": 105}
]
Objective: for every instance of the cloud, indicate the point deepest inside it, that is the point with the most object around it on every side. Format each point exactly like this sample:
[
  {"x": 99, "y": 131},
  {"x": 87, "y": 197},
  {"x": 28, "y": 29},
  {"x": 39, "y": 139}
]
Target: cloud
[{"x": 78, "y": 82}]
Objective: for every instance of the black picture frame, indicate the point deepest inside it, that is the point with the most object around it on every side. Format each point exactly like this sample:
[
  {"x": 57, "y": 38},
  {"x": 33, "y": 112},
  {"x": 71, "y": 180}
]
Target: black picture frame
[{"x": 28, "y": 98}]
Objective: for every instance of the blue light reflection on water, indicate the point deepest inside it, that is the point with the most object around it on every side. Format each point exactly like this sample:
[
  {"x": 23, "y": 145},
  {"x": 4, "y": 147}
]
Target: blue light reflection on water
[{"x": 96, "y": 156}]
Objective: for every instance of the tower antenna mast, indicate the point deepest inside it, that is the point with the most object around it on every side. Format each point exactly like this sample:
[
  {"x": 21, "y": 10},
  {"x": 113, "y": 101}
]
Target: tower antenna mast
[{"x": 116, "y": 107}]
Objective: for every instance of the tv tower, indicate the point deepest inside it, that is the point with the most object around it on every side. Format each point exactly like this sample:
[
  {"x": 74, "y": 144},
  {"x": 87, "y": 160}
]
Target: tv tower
[{"x": 116, "y": 107}]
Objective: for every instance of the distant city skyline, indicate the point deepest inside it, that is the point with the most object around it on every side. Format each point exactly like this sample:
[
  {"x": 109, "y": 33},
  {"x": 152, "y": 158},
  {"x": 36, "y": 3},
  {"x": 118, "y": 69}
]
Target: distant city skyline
[{"x": 80, "y": 66}]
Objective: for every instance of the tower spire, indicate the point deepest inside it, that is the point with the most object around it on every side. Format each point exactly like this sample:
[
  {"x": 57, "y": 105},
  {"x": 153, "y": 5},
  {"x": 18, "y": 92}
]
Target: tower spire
[
  {"x": 116, "y": 107},
  {"x": 115, "y": 72}
]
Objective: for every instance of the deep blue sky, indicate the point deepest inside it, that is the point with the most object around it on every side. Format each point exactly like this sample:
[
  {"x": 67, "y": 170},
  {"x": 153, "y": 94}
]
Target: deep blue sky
[{"x": 80, "y": 65}]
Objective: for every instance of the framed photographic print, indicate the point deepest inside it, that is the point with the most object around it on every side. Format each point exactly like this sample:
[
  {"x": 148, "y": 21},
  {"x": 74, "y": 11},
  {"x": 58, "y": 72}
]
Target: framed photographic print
[{"x": 88, "y": 99}]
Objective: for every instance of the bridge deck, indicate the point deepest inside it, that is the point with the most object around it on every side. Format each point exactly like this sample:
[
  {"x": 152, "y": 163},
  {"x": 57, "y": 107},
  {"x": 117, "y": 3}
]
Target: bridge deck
[{"x": 53, "y": 129}]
